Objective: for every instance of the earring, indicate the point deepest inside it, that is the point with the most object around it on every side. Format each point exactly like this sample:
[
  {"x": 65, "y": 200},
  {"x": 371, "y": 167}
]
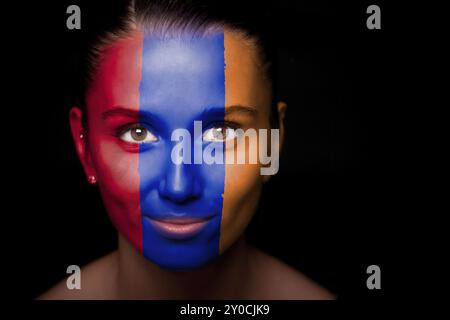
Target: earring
[
  {"x": 92, "y": 180},
  {"x": 81, "y": 136}
]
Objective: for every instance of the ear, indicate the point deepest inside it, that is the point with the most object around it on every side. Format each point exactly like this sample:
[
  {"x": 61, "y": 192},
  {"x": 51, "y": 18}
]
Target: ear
[
  {"x": 281, "y": 107},
  {"x": 79, "y": 136}
]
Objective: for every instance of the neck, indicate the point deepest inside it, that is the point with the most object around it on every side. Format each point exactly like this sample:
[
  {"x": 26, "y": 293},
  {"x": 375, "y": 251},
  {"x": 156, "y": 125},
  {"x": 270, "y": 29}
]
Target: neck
[{"x": 225, "y": 278}]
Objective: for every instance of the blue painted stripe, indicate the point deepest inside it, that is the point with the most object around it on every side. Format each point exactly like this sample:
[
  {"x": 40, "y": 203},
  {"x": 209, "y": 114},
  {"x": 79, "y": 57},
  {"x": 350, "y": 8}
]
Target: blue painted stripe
[{"x": 183, "y": 80}]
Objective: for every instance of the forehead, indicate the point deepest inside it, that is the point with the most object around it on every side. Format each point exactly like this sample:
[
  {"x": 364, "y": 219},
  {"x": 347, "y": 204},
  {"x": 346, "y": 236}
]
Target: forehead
[
  {"x": 145, "y": 72},
  {"x": 182, "y": 71}
]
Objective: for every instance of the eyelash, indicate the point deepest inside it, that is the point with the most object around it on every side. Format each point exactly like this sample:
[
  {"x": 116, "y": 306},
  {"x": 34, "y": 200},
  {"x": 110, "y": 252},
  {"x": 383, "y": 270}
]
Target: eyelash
[
  {"x": 122, "y": 129},
  {"x": 133, "y": 147},
  {"x": 233, "y": 125}
]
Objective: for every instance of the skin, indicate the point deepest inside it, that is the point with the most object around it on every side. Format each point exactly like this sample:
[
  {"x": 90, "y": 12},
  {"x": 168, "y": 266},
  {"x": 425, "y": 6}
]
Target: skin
[{"x": 241, "y": 271}]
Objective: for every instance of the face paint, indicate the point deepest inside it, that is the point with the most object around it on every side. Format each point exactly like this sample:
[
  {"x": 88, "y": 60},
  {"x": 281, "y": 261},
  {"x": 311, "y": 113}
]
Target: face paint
[
  {"x": 183, "y": 81},
  {"x": 171, "y": 212},
  {"x": 113, "y": 103},
  {"x": 178, "y": 214}
]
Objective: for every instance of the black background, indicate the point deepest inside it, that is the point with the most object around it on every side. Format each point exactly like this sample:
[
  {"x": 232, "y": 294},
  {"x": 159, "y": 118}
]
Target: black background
[{"x": 327, "y": 212}]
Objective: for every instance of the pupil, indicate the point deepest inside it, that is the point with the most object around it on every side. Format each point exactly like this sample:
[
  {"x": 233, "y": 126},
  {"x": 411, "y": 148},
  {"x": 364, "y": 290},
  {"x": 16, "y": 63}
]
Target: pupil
[
  {"x": 138, "y": 134},
  {"x": 219, "y": 133}
]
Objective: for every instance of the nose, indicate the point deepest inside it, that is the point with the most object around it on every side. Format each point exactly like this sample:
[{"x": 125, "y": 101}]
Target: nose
[{"x": 180, "y": 184}]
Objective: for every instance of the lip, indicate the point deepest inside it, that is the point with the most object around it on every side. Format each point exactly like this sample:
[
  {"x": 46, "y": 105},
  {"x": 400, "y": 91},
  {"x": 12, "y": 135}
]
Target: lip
[{"x": 179, "y": 228}]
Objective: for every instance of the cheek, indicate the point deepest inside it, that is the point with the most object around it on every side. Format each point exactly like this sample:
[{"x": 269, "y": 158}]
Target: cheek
[
  {"x": 242, "y": 190},
  {"x": 117, "y": 170},
  {"x": 118, "y": 180}
]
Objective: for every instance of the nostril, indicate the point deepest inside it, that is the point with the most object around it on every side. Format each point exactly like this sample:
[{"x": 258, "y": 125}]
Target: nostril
[
  {"x": 177, "y": 196},
  {"x": 179, "y": 186}
]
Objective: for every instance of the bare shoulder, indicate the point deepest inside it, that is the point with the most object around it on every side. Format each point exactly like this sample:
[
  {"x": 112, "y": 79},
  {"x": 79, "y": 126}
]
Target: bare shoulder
[
  {"x": 277, "y": 280},
  {"x": 97, "y": 282}
]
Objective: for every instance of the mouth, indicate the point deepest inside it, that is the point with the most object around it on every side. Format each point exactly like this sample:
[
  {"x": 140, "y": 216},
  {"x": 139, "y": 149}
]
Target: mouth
[{"x": 179, "y": 228}]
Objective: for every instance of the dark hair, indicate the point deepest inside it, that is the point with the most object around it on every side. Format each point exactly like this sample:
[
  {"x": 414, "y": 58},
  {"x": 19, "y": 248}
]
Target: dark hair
[{"x": 198, "y": 17}]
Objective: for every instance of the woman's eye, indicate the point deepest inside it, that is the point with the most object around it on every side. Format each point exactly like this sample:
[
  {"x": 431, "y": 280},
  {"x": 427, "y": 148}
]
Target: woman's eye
[
  {"x": 138, "y": 134},
  {"x": 219, "y": 133}
]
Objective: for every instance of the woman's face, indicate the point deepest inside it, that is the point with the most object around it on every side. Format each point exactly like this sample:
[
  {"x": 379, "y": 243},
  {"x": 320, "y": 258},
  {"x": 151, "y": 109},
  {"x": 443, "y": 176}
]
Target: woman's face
[{"x": 178, "y": 214}]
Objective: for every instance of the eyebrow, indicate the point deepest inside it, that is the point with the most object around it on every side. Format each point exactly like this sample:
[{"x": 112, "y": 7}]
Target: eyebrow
[
  {"x": 241, "y": 109},
  {"x": 120, "y": 111},
  {"x": 135, "y": 114}
]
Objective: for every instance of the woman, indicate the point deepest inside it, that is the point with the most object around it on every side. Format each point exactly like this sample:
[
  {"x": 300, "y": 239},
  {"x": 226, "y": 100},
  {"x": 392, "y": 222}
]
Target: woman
[{"x": 170, "y": 71}]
